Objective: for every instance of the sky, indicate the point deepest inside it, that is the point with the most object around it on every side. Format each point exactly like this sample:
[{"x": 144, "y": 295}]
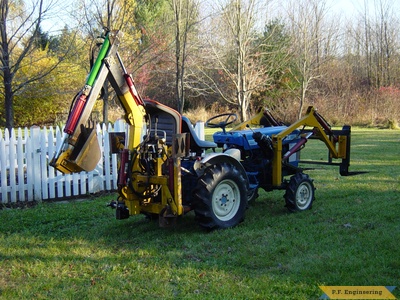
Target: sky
[
  {"x": 344, "y": 8},
  {"x": 351, "y": 8}
]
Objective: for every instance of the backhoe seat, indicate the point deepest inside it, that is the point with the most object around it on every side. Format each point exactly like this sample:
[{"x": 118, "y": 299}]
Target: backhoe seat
[
  {"x": 196, "y": 145},
  {"x": 168, "y": 120}
]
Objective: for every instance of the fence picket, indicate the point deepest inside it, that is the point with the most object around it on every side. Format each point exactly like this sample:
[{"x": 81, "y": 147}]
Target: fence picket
[
  {"x": 29, "y": 165},
  {"x": 75, "y": 184},
  {"x": 11, "y": 170},
  {"x": 3, "y": 174},
  {"x": 67, "y": 185},
  {"x": 51, "y": 176},
  {"x": 21, "y": 167},
  {"x": 99, "y": 170},
  {"x": 59, "y": 179},
  {"x": 37, "y": 182},
  {"x": 83, "y": 178},
  {"x": 43, "y": 164},
  {"x": 106, "y": 151}
]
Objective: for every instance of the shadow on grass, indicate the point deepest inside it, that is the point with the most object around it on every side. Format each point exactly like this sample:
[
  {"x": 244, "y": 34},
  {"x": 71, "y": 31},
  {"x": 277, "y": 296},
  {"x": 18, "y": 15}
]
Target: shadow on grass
[{"x": 353, "y": 173}]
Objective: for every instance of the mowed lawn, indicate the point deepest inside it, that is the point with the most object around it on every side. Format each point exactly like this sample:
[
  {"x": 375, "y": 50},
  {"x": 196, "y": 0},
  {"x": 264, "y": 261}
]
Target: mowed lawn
[{"x": 78, "y": 250}]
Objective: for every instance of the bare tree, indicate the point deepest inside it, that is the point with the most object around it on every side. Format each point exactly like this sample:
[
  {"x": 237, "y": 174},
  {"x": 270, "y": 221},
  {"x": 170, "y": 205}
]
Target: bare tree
[
  {"x": 381, "y": 33},
  {"x": 19, "y": 28},
  {"x": 235, "y": 47},
  {"x": 186, "y": 14},
  {"x": 313, "y": 41},
  {"x": 373, "y": 40}
]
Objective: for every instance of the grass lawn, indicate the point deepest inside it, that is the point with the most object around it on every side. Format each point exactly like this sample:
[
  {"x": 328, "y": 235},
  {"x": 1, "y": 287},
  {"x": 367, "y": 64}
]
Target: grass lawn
[{"x": 78, "y": 250}]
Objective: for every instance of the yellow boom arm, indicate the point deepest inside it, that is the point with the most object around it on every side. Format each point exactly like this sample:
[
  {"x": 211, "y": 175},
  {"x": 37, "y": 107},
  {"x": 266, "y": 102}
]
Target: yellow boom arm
[{"x": 338, "y": 145}]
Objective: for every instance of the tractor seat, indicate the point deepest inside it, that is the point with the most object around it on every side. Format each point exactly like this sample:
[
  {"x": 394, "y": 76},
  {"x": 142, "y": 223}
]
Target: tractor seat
[{"x": 196, "y": 145}]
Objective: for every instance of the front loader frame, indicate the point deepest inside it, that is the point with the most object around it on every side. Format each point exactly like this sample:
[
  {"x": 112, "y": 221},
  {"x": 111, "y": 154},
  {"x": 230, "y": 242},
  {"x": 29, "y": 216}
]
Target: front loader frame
[{"x": 337, "y": 142}]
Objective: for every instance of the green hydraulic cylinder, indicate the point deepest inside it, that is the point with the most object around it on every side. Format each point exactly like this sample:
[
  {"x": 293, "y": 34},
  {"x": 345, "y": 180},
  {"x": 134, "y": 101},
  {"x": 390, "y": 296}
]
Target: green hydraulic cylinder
[{"x": 98, "y": 62}]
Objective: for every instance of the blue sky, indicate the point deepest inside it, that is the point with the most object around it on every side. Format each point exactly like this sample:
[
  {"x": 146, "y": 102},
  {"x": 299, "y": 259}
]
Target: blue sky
[{"x": 345, "y": 8}]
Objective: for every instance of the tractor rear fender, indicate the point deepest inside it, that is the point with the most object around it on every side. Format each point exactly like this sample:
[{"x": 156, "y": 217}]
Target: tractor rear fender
[{"x": 231, "y": 156}]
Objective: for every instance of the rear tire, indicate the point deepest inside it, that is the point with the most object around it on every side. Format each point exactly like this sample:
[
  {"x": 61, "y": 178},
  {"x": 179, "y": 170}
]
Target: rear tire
[
  {"x": 220, "y": 197},
  {"x": 299, "y": 194}
]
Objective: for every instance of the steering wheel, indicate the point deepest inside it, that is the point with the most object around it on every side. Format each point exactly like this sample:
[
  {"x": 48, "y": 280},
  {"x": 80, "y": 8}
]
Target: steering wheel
[{"x": 225, "y": 120}]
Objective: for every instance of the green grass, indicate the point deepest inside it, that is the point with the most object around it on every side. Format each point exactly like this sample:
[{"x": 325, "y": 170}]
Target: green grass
[{"x": 350, "y": 237}]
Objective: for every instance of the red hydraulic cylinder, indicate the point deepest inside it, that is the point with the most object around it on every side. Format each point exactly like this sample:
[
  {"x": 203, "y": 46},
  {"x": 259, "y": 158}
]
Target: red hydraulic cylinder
[
  {"x": 123, "y": 169},
  {"x": 75, "y": 114},
  {"x": 297, "y": 146},
  {"x": 132, "y": 90}
]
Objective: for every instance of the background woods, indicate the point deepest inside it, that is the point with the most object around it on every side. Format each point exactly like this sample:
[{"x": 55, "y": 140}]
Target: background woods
[{"x": 203, "y": 57}]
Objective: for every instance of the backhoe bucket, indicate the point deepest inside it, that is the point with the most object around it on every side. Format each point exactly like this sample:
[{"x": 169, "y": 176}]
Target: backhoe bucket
[{"x": 84, "y": 156}]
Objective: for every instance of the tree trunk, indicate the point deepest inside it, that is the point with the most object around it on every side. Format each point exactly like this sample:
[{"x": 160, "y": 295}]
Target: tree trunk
[
  {"x": 178, "y": 78},
  {"x": 302, "y": 100},
  {"x": 5, "y": 65},
  {"x": 8, "y": 93},
  {"x": 8, "y": 103}
]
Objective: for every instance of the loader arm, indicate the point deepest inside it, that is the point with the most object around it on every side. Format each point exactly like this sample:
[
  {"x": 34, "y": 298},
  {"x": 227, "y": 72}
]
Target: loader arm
[
  {"x": 337, "y": 142},
  {"x": 80, "y": 150}
]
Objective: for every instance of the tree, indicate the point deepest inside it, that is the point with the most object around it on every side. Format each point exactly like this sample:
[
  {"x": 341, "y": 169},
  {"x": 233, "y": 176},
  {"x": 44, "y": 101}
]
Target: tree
[
  {"x": 112, "y": 15},
  {"x": 379, "y": 42},
  {"x": 46, "y": 100},
  {"x": 185, "y": 18},
  {"x": 19, "y": 28},
  {"x": 313, "y": 42},
  {"x": 273, "y": 46},
  {"x": 235, "y": 53},
  {"x": 151, "y": 62}
]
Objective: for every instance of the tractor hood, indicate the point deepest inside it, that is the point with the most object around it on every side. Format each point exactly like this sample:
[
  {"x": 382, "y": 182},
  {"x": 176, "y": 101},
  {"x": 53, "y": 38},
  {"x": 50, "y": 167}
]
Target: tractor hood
[{"x": 244, "y": 138}]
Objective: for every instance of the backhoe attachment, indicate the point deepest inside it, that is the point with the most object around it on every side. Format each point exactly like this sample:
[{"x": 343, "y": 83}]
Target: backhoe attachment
[{"x": 80, "y": 150}]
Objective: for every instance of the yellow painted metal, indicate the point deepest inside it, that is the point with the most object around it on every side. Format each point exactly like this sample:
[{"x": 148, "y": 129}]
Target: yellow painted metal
[
  {"x": 277, "y": 161},
  {"x": 142, "y": 182},
  {"x": 309, "y": 120},
  {"x": 80, "y": 158},
  {"x": 64, "y": 165},
  {"x": 159, "y": 164},
  {"x": 133, "y": 207},
  {"x": 177, "y": 207},
  {"x": 135, "y": 118},
  {"x": 255, "y": 120}
]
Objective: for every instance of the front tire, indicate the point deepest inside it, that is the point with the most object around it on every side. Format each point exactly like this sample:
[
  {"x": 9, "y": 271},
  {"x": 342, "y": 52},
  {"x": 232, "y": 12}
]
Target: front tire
[
  {"x": 252, "y": 195},
  {"x": 299, "y": 194},
  {"x": 220, "y": 197}
]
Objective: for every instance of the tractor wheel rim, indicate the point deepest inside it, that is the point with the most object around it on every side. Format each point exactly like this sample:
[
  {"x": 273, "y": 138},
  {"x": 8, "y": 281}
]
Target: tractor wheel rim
[
  {"x": 226, "y": 200},
  {"x": 304, "y": 195}
]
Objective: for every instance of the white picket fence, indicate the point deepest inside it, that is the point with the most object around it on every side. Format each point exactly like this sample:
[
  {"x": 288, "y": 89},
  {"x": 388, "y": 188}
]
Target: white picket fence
[{"x": 25, "y": 174}]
